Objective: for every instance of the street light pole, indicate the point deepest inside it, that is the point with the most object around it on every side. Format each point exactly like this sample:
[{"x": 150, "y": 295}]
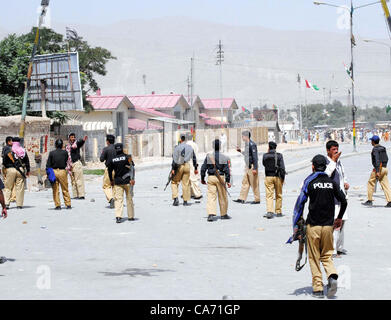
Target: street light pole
[{"x": 351, "y": 10}]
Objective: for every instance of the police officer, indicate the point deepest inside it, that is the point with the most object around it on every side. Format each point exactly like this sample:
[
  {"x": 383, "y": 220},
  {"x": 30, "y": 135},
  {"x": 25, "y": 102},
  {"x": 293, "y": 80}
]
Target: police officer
[
  {"x": 320, "y": 223},
  {"x": 107, "y": 155},
  {"x": 379, "y": 173},
  {"x": 122, "y": 181},
  {"x": 17, "y": 164},
  {"x": 77, "y": 177},
  {"x": 216, "y": 164},
  {"x": 251, "y": 178},
  {"x": 57, "y": 160},
  {"x": 7, "y": 149},
  {"x": 274, "y": 179},
  {"x": 183, "y": 153}
]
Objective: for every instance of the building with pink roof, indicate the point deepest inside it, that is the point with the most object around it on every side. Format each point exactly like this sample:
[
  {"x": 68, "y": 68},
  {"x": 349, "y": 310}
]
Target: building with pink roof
[{"x": 212, "y": 108}]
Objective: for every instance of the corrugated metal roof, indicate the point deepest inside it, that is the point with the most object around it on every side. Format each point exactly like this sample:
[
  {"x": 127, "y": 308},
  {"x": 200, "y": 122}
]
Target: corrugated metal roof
[
  {"x": 105, "y": 102},
  {"x": 154, "y": 112},
  {"x": 216, "y": 103},
  {"x": 210, "y": 121},
  {"x": 155, "y": 101},
  {"x": 139, "y": 125}
]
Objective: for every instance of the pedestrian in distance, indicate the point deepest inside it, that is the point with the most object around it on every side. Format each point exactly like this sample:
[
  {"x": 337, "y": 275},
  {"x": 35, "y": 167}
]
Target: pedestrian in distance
[
  {"x": 274, "y": 180},
  {"x": 122, "y": 181},
  {"x": 180, "y": 171},
  {"x": 251, "y": 177},
  {"x": 335, "y": 170},
  {"x": 194, "y": 178},
  {"x": 321, "y": 190},
  {"x": 17, "y": 165},
  {"x": 379, "y": 172},
  {"x": 107, "y": 155},
  {"x": 75, "y": 167},
  {"x": 57, "y": 161},
  {"x": 216, "y": 164}
]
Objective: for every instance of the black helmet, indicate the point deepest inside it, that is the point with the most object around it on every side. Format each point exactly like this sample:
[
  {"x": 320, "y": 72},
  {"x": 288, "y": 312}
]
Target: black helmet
[{"x": 119, "y": 148}]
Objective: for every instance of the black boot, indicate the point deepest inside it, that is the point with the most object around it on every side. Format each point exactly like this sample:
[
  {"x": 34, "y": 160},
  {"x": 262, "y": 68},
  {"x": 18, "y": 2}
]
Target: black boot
[
  {"x": 186, "y": 204},
  {"x": 388, "y": 205},
  {"x": 368, "y": 203},
  {"x": 226, "y": 217},
  {"x": 69, "y": 207},
  {"x": 176, "y": 202},
  {"x": 112, "y": 204},
  {"x": 57, "y": 208},
  {"x": 239, "y": 201},
  {"x": 118, "y": 220},
  {"x": 211, "y": 218}
]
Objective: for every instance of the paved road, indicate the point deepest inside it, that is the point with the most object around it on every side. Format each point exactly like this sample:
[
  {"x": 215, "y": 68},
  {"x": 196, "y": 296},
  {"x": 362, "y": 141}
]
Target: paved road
[{"x": 174, "y": 253}]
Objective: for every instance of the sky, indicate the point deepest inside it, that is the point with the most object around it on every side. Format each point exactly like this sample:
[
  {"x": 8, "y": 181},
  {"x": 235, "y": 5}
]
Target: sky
[{"x": 274, "y": 14}]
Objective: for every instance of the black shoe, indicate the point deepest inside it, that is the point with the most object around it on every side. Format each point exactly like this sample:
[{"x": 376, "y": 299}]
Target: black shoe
[
  {"x": 131, "y": 219},
  {"x": 318, "y": 294},
  {"x": 7, "y": 207},
  {"x": 176, "y": 202},
  {"x": 57, "y": 208},
  {"x": 269, "y": 215},
  {"x": 19, "y": 208},
  {"x": 82, "y": 198},
  {"x": 198, "y": 198},
  {"x": 211, "y": 218},
  {"x": 226, "y": 217},
  {"x": 368, "y": 203},
  {"x": 388, "y": 205},
  {"x": 342, "y": 253},
  {"x": 112, "y": 204},
  {"x": 332, "y": 286},
  {"x": 69, "y": 207},
  {"x": 3, "y": 260},
  {"x": 118, "y": 220},
  {"x": 279, "y": 215},
  {"x": 186, "y": 204},
  {"x": 239, "y": 201},
  {"x": 256, "y": 202}
]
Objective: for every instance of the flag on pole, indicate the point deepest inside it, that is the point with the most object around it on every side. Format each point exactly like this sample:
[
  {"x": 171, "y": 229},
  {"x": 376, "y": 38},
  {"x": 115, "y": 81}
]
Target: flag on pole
[
  {"x": 349, "y": 71},
  {"x": 311, "y": 86},
  {"x": 388, "y": 108},
  {"x": 245, "y": 110}
]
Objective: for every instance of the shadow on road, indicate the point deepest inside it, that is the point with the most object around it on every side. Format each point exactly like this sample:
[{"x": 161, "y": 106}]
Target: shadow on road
[
  {"x": 306, "y": 291},
  {"x": 134, "y": 272}
]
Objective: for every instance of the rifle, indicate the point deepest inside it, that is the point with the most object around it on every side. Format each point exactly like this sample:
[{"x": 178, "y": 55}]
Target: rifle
[
  {"x": 16, "y": 166},
  {"x": 219, "y": 176},
  {"x": 301, "y": 236}
]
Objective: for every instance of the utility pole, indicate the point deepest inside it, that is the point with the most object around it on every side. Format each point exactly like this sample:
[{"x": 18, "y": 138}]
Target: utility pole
[
  {"x": 220, "y": 60},
  {"x": 192, "y": 81},
  {"x": 145, "y": 83},
  {"x": 352, "y": 44},
  {"x": 300, "y": 112},
  {"x": 44, "y": 5}
]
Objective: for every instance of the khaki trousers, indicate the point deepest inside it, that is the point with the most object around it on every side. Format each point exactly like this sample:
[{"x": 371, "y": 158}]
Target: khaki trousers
[
  {"x": 182, "y": 175},
  {"x": 216, "y": 189},
  {"x": 107, "y": 188},
  {"x": 61, "y": 180},
  {"x": 383, "y": 180},
  {"x": 77, "y": 179},
  {"x": 249, "y": 180},
  {"x": 273, "y": 187},
  {"x": 320, "y": 250},
  {"x": 194, "y": 183},
  {"x": 13, "y": 191},
  {"x": 118, "y": 191},
  {"x": 14, "y": 180}
]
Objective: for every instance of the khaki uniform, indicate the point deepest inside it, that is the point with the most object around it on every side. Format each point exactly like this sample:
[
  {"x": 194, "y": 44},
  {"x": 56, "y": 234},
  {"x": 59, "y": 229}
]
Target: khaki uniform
[
  {"x": 77, "y": 179},
  {"x": 182, "y": 175},
  {"x": 249, "y": 180},
  {"x": 14, "y": 180},
  {"x": 273, "y": 187},
  {"x": 13, "y": 191},
  {"x": 118, "y": 191},
  {"x": 383, "y": 180},
  {"x": 194, "y": 179},
  {"x": 216, "y": 189},
  {"x": 320, "y": 237},
  {"x": 61, "y": 179},
  {"x": 107, "y": 187}
]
